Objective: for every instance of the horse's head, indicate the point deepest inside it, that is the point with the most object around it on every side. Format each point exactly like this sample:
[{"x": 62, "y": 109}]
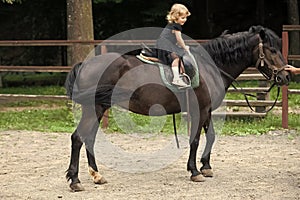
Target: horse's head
[{"x": 267, "y": 55}]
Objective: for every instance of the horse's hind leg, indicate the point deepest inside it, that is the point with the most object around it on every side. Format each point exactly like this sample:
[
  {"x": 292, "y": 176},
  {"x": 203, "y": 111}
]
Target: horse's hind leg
[
  {"x": 93, "y": 170},
  {"x": 210, "y": 139},
  {"x": 85, "y": 132},
  {"x": 89, "y": 144},
  {"x": 72, "y": 172}
]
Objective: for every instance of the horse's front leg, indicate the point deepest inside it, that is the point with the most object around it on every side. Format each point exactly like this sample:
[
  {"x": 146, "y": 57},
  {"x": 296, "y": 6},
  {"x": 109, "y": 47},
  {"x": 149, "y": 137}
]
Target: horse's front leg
[
  {"x": 194, "y": 143},
  {"x": 206, "y": 169}
]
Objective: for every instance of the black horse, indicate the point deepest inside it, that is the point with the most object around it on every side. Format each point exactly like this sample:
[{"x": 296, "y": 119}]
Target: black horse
[{"x": 111, "y": 78}]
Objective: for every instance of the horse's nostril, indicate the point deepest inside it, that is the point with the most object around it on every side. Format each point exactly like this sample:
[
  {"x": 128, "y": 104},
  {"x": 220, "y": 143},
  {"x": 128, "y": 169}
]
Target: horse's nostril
[{"x": 278, "y": 79}]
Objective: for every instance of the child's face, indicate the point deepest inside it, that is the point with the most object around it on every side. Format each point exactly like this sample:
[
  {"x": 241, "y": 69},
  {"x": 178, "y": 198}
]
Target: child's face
[{"x": 181, "y": 20}]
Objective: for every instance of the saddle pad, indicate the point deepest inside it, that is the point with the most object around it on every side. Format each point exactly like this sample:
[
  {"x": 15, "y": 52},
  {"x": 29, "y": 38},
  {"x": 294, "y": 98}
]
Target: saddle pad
[{"x": 167, "y": 75}]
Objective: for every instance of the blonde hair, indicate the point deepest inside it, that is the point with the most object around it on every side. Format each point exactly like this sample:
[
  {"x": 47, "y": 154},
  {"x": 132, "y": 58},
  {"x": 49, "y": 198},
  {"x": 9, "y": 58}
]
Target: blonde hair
[{"x": 176, "y": 11}]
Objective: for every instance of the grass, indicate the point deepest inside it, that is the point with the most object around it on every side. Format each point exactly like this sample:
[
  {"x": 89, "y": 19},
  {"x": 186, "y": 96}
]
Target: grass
[
  {"x": 57, "y": 116},
  {"x": 58, "y": 120},
  {"x": 33, "y": 79},
  {"x": 36, "y": 90}
]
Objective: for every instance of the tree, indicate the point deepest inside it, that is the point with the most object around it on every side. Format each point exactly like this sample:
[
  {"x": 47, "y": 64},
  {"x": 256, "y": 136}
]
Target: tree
[
  {"x": 79, "y": 27},
  {"x": 12, "y": 1}
]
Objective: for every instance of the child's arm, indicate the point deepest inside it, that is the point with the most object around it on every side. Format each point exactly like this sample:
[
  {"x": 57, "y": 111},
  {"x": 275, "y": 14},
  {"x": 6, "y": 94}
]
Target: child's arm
[{"x": 180, "y": 41}]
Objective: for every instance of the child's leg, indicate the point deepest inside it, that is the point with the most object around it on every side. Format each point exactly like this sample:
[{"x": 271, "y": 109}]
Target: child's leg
[
  {"x": 176, "y": 63},
  {"x": 177, "y": 80}
]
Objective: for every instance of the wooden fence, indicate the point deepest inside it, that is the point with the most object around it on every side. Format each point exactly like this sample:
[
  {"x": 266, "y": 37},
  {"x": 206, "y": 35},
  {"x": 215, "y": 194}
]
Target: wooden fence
[
  {"x": 251, "y": 74},
  {"x": 285, "y": 52}
]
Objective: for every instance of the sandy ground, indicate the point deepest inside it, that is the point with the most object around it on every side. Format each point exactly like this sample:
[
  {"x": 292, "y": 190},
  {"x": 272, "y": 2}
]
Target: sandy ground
[{"x": 33, "y": 164}]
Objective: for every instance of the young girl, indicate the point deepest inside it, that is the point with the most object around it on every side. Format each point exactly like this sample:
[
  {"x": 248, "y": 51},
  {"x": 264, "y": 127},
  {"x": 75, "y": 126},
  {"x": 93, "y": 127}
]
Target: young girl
[{"x": 170, "y": 44}]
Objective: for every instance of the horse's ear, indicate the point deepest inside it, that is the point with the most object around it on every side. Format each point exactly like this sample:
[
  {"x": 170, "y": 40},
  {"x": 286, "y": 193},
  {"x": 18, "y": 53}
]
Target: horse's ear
[
  {"x": 262, "y": 34},
  {"x": 258, "y": 29},
  {"x": 224, "y": 33},
  {"x": 252, "y": 29}
]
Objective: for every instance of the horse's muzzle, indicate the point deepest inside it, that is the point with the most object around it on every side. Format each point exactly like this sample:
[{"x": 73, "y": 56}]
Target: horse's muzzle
[{"x": 282, "y": 78}]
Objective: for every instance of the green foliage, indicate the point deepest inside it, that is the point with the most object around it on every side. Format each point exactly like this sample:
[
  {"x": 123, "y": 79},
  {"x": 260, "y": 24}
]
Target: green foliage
[
  {"x": 294, "y": 100},
  {"x": 12, "y": 1}
]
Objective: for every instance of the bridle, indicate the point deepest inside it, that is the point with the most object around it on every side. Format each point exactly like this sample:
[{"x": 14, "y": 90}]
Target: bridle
[{"x": 261, "y": 61}]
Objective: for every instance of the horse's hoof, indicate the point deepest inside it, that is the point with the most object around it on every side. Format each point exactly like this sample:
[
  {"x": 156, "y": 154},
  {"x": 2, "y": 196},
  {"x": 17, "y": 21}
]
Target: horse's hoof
[
  {"x": 207, "y": 172},
  {"x": 198, "y": 178},
  {"x": 76, "y": 187},
  {"x": 100, "y": 181},
  {"x": 97, "y": 177}
]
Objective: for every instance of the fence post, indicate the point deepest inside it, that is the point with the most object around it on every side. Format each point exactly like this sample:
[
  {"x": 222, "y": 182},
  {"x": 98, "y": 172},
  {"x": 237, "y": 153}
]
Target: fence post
[{"x": 285, "y": 105}]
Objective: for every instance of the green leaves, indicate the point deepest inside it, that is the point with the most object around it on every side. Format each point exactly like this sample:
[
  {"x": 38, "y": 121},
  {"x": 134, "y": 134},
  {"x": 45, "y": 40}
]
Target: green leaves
[{"x": 12, "y": 1}]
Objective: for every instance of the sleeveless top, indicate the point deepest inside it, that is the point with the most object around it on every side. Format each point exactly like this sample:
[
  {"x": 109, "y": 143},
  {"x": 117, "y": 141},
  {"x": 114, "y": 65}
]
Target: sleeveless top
[{"x": 166, "y": 43}]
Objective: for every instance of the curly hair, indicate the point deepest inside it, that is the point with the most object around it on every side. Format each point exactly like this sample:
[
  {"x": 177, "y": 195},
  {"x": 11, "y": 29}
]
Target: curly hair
[{"x": 176, "y": 11}]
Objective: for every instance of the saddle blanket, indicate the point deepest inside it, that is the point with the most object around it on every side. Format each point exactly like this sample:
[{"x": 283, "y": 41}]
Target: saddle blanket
[{"x": 167, "y": 75}]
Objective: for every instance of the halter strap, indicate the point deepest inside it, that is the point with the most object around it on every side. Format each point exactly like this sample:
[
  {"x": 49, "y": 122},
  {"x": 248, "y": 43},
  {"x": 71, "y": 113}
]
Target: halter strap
[{"x": 261, "y": 61}]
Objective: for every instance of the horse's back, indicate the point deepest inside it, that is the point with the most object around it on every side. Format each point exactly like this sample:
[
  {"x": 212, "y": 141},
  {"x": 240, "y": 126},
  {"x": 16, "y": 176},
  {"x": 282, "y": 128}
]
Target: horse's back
[{"x": 93, "y": 68}]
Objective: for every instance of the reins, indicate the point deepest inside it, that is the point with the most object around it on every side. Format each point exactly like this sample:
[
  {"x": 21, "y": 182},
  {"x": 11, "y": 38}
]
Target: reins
[
  {"x": 251, "y": 95},
  {"x": 246, "y": 95}
]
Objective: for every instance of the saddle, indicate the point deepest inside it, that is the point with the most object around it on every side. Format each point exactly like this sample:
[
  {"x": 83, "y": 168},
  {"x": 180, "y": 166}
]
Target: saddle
[{"x": 149, "y": 55}]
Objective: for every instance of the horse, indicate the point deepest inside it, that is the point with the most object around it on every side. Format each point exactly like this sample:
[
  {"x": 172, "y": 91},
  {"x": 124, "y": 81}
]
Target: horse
[{"x": 124, "y": 80}]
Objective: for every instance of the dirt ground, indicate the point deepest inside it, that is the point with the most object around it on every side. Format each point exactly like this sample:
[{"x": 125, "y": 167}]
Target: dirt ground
[{"x": 33, "y": 164}]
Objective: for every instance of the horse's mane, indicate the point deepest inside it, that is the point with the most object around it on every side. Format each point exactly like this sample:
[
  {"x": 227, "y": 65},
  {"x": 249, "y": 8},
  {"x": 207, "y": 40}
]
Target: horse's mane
[{"x": 230, "y": 48}]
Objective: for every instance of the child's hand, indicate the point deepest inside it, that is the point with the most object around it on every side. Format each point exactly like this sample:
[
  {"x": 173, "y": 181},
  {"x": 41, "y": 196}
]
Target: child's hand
[{"x": 187, "y": 48}]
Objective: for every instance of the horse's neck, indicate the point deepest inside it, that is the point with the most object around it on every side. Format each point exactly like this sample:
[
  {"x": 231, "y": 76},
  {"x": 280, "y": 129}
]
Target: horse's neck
[
  {"x": 231, "y": 65},
  {"x": 229, "y": 76}
]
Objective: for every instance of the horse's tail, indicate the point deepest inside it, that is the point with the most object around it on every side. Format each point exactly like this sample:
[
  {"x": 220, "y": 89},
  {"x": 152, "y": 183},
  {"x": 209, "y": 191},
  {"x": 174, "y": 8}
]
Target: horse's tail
[{"x": 71, "y": 77}]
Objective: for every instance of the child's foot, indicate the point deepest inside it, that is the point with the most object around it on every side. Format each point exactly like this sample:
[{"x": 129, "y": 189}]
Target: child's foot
[{"x": 179, "y": 82}]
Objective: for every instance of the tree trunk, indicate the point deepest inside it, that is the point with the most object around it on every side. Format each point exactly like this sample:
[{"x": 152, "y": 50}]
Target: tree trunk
[
  {"x": 293, "y": 19},
  {"x": 79, "y": 27}
]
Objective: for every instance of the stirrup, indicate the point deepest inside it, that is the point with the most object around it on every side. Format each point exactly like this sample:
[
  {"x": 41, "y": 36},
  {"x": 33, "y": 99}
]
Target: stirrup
[{"x": 187, "y": 77}]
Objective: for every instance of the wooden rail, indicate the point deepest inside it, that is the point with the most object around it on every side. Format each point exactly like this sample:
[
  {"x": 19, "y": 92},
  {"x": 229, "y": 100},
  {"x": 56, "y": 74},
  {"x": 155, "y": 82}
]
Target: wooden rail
[
  {"x": 249, "y": 90},
  {"x": 291, "y": 91},
  {"x": 35, "y": 68},
  {"x": 18, "y": 97},
  {"x": 293, "y": 57}
]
